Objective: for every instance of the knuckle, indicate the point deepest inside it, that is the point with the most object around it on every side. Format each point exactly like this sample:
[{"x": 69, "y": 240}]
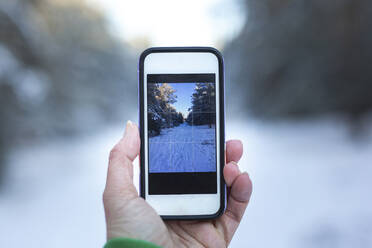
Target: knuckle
[
  {"x": 234, "y": 216},
  {"x": 105, "y": 196},
  {"x": 114, "y": 153}
]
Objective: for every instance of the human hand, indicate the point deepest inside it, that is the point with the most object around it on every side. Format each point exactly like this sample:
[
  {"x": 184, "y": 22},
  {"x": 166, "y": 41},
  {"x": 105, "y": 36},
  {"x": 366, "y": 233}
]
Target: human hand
[{"x": 129, "y": 215}]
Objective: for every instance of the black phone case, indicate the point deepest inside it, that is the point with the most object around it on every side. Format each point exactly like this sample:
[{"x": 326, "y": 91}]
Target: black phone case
[{"x": 222, "y": 125}]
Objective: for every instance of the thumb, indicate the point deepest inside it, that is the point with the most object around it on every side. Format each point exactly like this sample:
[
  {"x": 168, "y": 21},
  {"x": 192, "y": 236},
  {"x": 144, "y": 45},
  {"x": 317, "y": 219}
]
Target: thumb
[{"x": 120, "y": 170}]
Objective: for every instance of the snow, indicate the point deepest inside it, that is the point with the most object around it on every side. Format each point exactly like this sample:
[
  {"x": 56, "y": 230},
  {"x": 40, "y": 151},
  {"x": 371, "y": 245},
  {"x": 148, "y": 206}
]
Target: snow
[
  {"x": 312, "y": 188},
  {"x": 312, "y": 185},
  {"x": 183, "y": 148}
]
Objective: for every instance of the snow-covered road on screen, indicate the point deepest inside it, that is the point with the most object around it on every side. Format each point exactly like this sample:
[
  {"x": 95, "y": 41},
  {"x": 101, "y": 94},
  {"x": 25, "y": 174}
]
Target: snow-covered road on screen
[{"x": 183, "y": 149}]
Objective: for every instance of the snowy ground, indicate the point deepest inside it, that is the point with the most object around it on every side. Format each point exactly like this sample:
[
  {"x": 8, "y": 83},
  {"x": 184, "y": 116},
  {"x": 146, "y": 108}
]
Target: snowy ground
[
  {"x": 183, "y": 149},
  {"x": 312, "y": 188}
]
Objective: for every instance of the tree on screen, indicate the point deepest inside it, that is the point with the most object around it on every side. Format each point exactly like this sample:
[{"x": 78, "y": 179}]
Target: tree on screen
[
  {"x": 161, "y": 113},
  {"x": 202, "y": 111}
]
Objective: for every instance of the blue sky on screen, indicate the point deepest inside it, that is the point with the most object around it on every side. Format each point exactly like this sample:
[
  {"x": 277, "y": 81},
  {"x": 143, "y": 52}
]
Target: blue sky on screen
[{"x": 184, "y": 92}]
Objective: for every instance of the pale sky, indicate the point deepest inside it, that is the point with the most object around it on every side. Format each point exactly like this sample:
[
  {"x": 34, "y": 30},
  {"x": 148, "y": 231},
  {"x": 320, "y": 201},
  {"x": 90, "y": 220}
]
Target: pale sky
[{"x": 174, "y": 22}]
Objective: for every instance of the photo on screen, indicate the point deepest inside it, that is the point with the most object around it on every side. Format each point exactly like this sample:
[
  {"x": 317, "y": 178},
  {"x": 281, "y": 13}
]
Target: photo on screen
[{"x": 182, "y": 127}]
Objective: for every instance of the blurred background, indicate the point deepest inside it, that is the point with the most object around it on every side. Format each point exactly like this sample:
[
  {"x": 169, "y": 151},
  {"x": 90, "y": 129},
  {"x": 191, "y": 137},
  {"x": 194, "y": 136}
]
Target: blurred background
[{"x": 298, "y": 90}]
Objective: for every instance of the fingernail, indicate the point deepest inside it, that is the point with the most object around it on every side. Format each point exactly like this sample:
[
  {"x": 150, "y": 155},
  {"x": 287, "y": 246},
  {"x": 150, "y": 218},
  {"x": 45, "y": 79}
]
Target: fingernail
[
  {"x": 127, "y": 127},
  {"x": 245, "y": 173},
  {"x": 236, "y": 164}
]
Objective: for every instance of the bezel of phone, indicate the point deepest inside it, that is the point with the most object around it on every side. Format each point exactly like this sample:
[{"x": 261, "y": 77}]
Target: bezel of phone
[{"x": 221, "y": 132}]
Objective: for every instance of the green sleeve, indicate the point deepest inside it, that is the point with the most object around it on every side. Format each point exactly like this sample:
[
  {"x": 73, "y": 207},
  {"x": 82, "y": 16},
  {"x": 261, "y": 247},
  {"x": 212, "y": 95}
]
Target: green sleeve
[{"x": 129, "y": 243}]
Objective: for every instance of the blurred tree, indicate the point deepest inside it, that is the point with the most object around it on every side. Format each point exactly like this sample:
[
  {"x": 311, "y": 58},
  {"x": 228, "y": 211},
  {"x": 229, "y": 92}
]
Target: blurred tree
[
  {"x": 303, "y": 58},
  {"x": 61, "y": 71}
]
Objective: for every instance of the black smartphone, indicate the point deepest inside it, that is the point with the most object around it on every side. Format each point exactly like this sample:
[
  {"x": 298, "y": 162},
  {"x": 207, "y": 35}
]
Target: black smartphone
[{"x": 181, "y": 100}]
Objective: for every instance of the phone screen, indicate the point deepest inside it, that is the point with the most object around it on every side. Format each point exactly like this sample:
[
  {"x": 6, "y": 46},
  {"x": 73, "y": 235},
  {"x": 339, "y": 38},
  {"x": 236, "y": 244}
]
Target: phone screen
[{"x": 181, "y": 121}]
